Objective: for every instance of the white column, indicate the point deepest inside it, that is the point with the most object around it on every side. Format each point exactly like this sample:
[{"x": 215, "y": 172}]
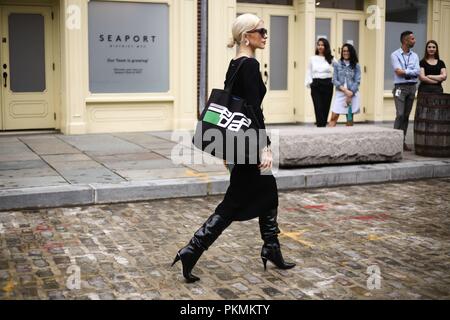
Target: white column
[
  {"x": 185, "y": 23},
  {"x": 305, "y": 30},
  {"x": 375, "y": 45},
  {"x": 74, "y": 65},
  {"x": 221, "y": 14}
]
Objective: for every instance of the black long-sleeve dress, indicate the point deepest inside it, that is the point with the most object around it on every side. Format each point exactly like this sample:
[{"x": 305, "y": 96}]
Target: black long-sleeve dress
[{"x": 250, "y": 194}]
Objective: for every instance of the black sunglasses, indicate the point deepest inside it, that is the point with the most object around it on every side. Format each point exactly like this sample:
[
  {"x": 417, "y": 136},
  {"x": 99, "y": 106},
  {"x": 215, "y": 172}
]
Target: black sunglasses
[{"x": 262, "y": 31}]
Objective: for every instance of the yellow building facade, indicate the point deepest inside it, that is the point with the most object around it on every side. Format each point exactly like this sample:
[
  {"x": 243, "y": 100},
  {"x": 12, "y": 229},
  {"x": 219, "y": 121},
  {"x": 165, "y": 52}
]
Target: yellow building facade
[{"x": 83, "y": 66}]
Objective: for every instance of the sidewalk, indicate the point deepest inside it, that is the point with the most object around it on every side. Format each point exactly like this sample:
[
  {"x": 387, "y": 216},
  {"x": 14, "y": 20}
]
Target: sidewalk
[{"x": 50, "y": 170}]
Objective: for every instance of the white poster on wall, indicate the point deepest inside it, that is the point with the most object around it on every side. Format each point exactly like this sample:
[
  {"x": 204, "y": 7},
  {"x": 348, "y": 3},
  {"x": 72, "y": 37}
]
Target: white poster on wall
[{"x": 128, "y": 47}]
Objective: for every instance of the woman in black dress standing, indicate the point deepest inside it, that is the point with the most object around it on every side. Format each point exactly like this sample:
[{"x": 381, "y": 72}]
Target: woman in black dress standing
[
  {"x": 432, "y": 70},
  {"x": 253, "y": 189}
]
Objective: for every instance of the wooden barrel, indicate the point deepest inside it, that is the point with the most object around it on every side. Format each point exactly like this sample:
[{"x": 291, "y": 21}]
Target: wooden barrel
[{"x": 432, "y": 125}]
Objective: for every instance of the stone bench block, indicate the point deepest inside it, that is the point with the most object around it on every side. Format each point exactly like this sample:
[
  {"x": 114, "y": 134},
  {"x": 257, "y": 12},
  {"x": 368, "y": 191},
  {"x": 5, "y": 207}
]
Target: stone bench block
[{"x": 310, "y": 146}]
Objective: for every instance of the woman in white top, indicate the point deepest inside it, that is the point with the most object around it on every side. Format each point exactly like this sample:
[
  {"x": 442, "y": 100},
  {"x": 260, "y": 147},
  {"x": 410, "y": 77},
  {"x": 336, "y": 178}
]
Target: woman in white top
[{"x": 319, "y": 79}]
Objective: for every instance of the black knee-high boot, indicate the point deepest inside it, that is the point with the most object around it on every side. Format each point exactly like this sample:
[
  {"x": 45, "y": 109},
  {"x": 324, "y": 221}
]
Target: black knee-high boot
[
  {"x": 201, "y": 241},
  {"x": 271, "y": 249}
]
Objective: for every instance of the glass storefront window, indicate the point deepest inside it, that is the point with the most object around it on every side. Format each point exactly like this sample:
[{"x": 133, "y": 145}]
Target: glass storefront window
[
  {"x": 278, "y": 2},
  {"x": 279, "y": 53},
  {"x": 350, "y": 33},
  {"x": 402, "y": 15},
  {"x": 26, "y": 52},
  {"x": 323, "y": 29},
  {"x": 128, "y": 47},
  {"x": 341, "y": 4}
]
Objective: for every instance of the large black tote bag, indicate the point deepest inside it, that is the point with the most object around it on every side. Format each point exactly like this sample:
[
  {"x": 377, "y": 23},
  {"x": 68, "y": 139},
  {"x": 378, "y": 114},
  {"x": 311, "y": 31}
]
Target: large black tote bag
[{"x": 228, "y": 128}]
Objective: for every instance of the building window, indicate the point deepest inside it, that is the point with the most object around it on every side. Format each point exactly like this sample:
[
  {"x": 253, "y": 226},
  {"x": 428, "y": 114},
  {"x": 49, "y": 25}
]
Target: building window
[
  {"x": 403, "y": 15},
  {"x": 26, "y": 52},
  {"x": 279, "y": 52},
  {"x": 341, "y": 4},
  {"x": 128, "y": 47},
  {"x": 278, "y": 2}
]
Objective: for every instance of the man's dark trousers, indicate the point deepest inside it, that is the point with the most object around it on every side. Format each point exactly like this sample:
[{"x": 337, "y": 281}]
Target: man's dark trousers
[{"x": 404, "y": 100}]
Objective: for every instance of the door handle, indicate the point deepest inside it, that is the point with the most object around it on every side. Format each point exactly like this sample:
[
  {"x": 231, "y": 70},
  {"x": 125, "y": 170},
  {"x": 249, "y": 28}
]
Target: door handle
[
  {"x": 266, "y": 74},
  {"x": 5, "y": 77}
]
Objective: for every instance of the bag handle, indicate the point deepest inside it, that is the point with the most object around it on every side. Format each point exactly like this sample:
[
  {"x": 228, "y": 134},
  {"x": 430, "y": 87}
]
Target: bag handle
[{"x": 229, "y": 87}]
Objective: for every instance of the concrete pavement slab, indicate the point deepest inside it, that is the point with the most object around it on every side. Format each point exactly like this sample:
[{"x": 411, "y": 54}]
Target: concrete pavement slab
[
  {"x": 139, "y": 137},
  {"x": 167, "y": 135},
  {"x": 152, "y": 174},
  {"x": 208, "y": 168},
  {"x": 45, "y": 145},
  {"x": 13, "y": 156},
  {"x": 6, "y": 139},
  {"x": 102, "y": 144},
  {"x": 75, "y": 165},
  {"x": 26, "y": 164},
  {"x": 174, "y": 151},
  {"x": 24, "y": 173},
  {"x": 129, "y": 157},
  {"x": 65, "y": 158},
  {"x": 140, "y": 165},
  {"x": 15, "y": 150},
  {"x": 90, "y": 175},
  {"x": 145, "y": 140},
  {"x": 411, "y": 156},
  {"x": 29, "y": 182}
]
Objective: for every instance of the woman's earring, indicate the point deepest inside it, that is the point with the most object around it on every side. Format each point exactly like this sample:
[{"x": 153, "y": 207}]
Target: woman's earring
[{"x": 247, "y": 42}]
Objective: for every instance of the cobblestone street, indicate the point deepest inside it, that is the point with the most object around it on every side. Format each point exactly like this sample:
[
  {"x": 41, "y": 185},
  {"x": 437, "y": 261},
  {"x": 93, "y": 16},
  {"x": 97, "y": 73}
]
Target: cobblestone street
[{"x": 338, "y": 237}]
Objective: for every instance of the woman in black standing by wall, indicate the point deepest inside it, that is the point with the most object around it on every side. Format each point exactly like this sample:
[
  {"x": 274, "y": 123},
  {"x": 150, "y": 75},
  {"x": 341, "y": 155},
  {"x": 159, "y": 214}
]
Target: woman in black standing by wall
[
  {"x": 253, "y": 189},
  {"x": 319, "y": 78},
  {"x": 432, "y": 70}
]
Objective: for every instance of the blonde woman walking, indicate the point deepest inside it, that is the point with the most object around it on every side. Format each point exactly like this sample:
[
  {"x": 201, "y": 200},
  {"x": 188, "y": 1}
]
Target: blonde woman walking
[{"x": 251, "y": 193}]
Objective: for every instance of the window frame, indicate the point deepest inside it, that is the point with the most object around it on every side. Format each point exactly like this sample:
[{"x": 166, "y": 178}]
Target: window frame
[{"x": 387, "y": 93}]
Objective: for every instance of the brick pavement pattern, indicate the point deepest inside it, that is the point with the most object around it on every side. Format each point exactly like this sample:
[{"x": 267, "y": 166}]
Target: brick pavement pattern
[{"x": 340, "y": 238}]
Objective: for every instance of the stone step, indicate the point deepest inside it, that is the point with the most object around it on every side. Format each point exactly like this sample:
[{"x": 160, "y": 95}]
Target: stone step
[{"x": 303, "y": 146}]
